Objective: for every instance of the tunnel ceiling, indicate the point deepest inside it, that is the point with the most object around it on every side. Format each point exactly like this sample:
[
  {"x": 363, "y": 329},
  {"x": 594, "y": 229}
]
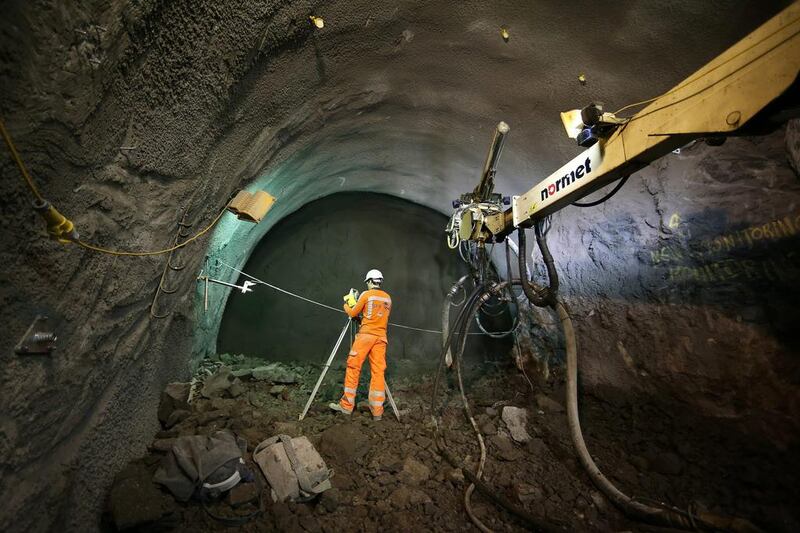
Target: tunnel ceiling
[{"x": 397, "y": 97}]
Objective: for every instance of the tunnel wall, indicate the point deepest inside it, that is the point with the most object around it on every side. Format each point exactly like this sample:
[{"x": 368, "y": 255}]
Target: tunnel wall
[
  {"x": 321, "y": 251},
  {"x": 685, "y": 285}
]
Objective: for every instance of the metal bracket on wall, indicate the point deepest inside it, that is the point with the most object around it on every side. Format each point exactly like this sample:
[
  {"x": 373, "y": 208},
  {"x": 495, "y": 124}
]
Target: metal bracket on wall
[
  {"x": 181, "y": 225},
  {"x": 169, "y": 266},
  {"x": 37, "y": 340}
]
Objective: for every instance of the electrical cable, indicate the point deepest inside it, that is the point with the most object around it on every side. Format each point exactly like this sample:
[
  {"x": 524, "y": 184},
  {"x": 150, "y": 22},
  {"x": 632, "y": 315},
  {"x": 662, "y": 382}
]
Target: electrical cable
[
  {"x": 477, "y": 298},
  {"x": 692, "y": 95},
  {"x": 458, "y": 325},
  {"x": 41, "y": 201},
  {"x": 20, "y": 164},
  {"x": 614, "y": 191},
  {"x": 446, "y": 312},
  {"x": 499, "y": 334},
  {"x": 154, "y": 252},
  {"x": 468, "y": 411},
  {"x": 320, "y": 304}
]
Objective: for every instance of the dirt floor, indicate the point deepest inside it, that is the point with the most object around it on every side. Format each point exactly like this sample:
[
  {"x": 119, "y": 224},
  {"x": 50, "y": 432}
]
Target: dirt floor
[{"x": 388, "y": 475}]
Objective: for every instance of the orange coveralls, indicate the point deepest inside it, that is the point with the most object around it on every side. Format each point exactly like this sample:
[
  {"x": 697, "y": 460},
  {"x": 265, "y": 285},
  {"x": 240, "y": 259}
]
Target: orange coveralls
[{"x": 375, "y": 306}]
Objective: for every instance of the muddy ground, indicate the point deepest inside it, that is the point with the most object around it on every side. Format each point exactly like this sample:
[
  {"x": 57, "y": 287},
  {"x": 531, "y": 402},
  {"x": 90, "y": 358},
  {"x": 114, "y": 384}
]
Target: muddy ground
[{"x": 388, "y": 475}]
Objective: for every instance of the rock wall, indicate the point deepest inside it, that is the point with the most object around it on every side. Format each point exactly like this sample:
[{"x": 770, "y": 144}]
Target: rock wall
[
  {"x": 325, "y": 248},
  {"x": 685, "y": 284}
]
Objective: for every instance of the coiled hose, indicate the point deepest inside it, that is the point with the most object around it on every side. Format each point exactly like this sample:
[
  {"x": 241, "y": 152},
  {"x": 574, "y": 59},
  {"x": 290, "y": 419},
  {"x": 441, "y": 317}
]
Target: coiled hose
[
  {"x": 448, "y": 301},
  {"x": 662, "y": 516},
  {"x": 538, "y": 296},
  {"x": 457, "y": 338}
]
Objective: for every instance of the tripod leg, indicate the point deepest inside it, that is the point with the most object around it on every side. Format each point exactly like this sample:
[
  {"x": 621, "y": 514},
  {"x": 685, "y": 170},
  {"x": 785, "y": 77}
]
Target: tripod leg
[
  {"x": 391, "y": 401},
  {"x": 325, "y": 369}
]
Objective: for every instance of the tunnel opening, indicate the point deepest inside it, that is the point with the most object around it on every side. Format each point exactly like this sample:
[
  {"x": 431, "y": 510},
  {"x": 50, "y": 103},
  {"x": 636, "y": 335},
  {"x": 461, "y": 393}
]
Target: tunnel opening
[{"x": 324, "y": 249}]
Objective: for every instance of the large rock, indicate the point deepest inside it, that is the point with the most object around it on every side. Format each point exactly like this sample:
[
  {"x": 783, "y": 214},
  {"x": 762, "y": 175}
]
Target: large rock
[
  {"x": 274, "y": 373},
  {"x": 344, "y": 443},
  {"x": 516, "y": 419},
  {"x": 505, "y": 448},
  {"x": 136, "y": 502},
  {"x": 548, "y": 405},
  {"x": 175, "y": 397},
  {"x": 406, "y": 496},
  {"x": 217, "y": 383},
  {"x": 414, "y": 472}
]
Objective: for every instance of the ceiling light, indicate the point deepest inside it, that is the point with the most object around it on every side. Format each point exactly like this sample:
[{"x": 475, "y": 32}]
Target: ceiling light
[{"x": 317, "y": 21}]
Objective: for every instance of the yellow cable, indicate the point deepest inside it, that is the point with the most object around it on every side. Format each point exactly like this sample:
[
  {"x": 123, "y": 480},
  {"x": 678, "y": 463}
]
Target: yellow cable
[
  {"x": 61, "y": 220},
  {"x": 155, "y": 252},
  {"x": 18, "y": 160}
]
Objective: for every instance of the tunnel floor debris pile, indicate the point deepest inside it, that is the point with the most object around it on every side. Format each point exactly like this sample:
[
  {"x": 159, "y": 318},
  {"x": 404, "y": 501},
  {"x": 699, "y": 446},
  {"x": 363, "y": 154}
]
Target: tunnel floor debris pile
[{"x": 388, "y": 475}]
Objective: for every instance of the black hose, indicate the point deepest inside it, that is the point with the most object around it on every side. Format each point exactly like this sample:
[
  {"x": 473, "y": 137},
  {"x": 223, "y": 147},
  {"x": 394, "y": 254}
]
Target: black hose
[
  {"x": 531, "y": 521},
  {"x": 538, "y": 296},
  {"x": 458, "y": 325},
  {"x": 448, "y": 301},
  {"x": 606, "y": 197},
  {"x": 662, "y": 515},
  {"x": 552, "y": 273}
]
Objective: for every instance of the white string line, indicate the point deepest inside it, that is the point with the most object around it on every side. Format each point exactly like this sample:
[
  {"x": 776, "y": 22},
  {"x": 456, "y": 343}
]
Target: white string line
[{"x": 289, "y": 293}]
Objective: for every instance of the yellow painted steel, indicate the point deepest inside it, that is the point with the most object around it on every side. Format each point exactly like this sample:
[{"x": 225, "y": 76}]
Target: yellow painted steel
[{"x": 718, "y": 99}]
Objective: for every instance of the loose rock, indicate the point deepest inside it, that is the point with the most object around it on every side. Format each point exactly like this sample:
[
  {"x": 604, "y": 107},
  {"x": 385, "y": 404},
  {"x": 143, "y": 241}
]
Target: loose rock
[
  {"x": 135, "y": 501},
  {"x": 175, "y": 397},
  {"x": 237, "y": 389},
  {"x": 548, "y": 405},
  {"x": 505, "y": 448},
  {"x": 177, "y": 417},
  {"x": 277, "y": 390},
  {"x": 344, "y": 443},
  {"x": 274, "y": 373},
  {"x": 406, "y": 496},
  {"x": 414, "y": 472},
  {"x": 516, "y": 419},
  {"x": 217, "y": 383}
]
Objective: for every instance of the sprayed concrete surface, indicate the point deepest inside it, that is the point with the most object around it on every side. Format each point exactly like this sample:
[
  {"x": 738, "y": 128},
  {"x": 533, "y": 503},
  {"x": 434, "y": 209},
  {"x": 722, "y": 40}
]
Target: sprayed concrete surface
[
  {"x": 323, "y": 250},
  {"x": 682, "y": 284}
]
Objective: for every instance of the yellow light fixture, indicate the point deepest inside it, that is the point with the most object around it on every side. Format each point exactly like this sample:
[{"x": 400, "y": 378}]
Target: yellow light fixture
[
  {"x": 317, "y": 21},
  {"x": 572, "y": 122},
  {"x": 504, "y": 34},
  {"x": 251, "y": 207}
]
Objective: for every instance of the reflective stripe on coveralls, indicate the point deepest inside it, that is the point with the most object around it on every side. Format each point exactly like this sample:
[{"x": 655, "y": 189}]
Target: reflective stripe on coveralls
[
  {"x": 375, "y": 305},
  {"x": 364, "y": 346}
]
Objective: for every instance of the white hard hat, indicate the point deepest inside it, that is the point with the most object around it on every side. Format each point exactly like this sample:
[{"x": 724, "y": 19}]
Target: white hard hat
[{"x": 374, "y": 274}]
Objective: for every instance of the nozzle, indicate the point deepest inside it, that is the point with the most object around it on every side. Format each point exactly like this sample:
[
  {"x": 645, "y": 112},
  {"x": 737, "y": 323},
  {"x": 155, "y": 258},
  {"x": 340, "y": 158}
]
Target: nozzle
[{"x": 59, "y": 227}]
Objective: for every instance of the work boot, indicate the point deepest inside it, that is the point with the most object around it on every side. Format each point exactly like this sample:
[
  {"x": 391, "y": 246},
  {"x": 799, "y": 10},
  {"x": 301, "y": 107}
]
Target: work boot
[
  {"x": 377, "y": 418},
  {"x": 339, "y": 408}
]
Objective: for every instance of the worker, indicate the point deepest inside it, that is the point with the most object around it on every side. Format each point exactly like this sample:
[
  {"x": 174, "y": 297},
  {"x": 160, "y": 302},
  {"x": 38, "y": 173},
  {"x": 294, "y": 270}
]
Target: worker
[{"x": 374, "y": 306}]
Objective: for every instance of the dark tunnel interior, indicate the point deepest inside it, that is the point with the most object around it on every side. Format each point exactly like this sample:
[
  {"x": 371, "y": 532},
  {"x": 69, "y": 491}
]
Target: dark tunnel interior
[
  {"x": 189, "y": 189},
  {"x": 323, "y": 247}
]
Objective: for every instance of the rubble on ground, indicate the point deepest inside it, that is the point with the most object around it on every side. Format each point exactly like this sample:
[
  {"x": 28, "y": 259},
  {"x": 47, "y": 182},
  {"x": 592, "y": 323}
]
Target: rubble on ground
[{"x": 389, "y": 475}]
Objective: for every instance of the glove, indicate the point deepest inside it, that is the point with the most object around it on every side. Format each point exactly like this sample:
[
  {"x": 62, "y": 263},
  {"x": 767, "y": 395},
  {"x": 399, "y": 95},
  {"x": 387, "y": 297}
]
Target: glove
[{"x": 351, "y": 298}]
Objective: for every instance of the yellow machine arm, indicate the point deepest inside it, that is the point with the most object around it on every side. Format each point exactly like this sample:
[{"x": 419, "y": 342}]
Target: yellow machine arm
[{"x": 733, "y": 90}]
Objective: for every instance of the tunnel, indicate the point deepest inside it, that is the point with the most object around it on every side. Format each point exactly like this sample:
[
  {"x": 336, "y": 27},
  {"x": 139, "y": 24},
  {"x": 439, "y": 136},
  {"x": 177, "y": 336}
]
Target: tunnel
[
  {"x": 656, "y": 387},
  {"x": 359, "y": 229}
]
